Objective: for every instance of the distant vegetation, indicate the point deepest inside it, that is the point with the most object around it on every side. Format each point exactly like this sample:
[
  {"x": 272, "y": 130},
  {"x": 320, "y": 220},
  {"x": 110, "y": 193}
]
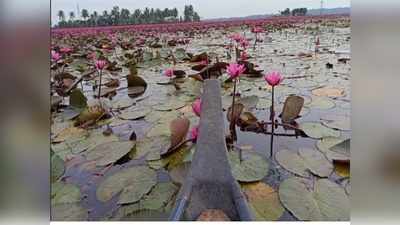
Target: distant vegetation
[
  {"x": 294, "y": 12},
  {"x": 126, "y": 17}
]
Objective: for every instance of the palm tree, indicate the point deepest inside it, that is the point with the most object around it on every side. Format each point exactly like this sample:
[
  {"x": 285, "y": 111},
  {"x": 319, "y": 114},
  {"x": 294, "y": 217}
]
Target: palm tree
[
  {"x": 71, "y": 16},
  {"x": 61, "y": 15},
  {"x": 85, "y": 14}
]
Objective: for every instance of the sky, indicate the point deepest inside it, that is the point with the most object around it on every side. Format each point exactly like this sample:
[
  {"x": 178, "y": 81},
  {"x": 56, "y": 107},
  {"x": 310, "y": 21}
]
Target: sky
[{"x": 207, "y": 9}]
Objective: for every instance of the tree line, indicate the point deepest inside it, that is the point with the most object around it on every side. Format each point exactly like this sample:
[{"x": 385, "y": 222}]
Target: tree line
[
  {"x": 294, "y": 12},
  {"x": 124, "y": 16}
]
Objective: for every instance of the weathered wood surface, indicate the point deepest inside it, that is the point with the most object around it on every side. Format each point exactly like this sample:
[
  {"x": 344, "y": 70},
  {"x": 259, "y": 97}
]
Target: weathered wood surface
[{"x": 210, "y": 183}]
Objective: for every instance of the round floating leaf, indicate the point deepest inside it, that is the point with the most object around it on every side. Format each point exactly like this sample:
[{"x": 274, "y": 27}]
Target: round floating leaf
[
  {"x": 64, "y": 193},
  {"x": 316, "y": 162},
  {"x": 150, "y": 147},
  {"x": 123, "y": 103},
  {"x": 264, "y": 103},
  {"x": 160, "y": 129},
  {"x": 213, "y": 215},
  {"x": 57, "y": 167},
  {"x": 264, "y": 201},
  {"x": 107, "y": 153},
  {"x": 70, "y": 133},
  {"x": 327, "y": 202},
  {"x": 326, "y": 143},
  {"x": 68, "y": 212},
  {"x": 318, "y": 131},
  {"x": 321, "y": 103},
  {"x": 292, "y": 162},
  {"x": 337, "y": 122},
  {"x": 134, "y": 182},
  {"x": 134, "y": 114},
  {"x": 253, "y": 166},
  {"x": 328, "y": 92},
  {"x": 170, "y": 104},
  {"x": 249, "y": 102},
  {"x": 159, "y": 196}
]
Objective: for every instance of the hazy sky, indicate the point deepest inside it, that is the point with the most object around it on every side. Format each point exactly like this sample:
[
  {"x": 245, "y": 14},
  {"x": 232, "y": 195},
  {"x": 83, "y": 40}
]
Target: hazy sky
[{"x": 205, "y": 8}]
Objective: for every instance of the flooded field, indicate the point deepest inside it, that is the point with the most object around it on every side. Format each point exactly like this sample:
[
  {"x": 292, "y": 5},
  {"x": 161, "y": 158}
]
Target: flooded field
[{"x": 119, "y": 157}]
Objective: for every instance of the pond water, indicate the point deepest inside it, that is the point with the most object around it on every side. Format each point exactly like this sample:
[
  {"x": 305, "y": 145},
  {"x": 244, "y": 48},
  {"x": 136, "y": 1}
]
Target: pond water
[{"x": 281, "y": 53}]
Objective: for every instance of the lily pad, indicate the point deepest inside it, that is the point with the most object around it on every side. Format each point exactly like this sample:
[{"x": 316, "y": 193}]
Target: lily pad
[
  {"x": 107, "y": 153},
  {"x": 316, "y": 162},
  {"x": 134, "y": 114},
  {"x": 318, "y": 131},
  {"x": 68, "y": 212},
  {"x": 134, "y": 183},
  {"x": 292, "y": 162},
  {"x": 253, "y": 167},
  {"x": 171, "y": 104},
  {"x": 150, "y": 147},
  {"x": 321, "y": 103},
  {"x": 123, "y": 103},
  {"x": 337, "y": 122},
  {"x": 159, "y": 196},
  {"x": 327, "y": 202},
  {"x": 57, "y": 167},
  {"x": 328, "y": 92},
  {"x": 264, "y": 201},
  {"x": 326, "y": 143},
  {"x": 64, "y": 193},
  {"x": 249, "y": 102}
]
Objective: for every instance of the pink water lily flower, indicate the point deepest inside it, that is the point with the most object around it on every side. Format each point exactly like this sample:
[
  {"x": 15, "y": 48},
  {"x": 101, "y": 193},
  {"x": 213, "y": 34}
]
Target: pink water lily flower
[
  {"x": 100, "y": 64},
  {"x": 235, "y": 70},
  {"x": 169, "y": 72},
  {"x": 196, "y": 107},
  {"x": 55, "y": 56},
  {"x": 244, "y": 43},
  {"x": 66, "y": 50},
  {"x": 273, "y": 78},
  {"x": 236, "y": 37},
  {"x": 194, "y": 133}
]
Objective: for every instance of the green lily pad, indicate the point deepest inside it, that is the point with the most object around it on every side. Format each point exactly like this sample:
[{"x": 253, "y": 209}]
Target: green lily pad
[
  {"x": 318, "y": 131},
  {"x": 107, "y": 153},
  {"x": 321, "y": 103},
  {"x": 264, "y": 201},
  {"x": 337, "y": 122},
  {"x": 134, "y": 183},
  {"x": 292, "y": 162},
  {"x": 326, "y": 143},
  {"x": 249, "y": 102},
  {"x": 316, "y": 162},
  {"x": 160, "y": 129},
  {"x": 68, "y": 212},
  {"x": 123, "y": 103},
  {"x": 264, "y": 103},
  {"x": 57, "y": 167},
  {"x": 64, "y": 193},
  {"x": 150, "y": 147},
  {"x": 134, "y": 114},
  {"x": 159, "y": 196},
  {"x": 253, "y": 167},
  {"x": 327, "y": 202},
  {"x": 169, "y": 105}
]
